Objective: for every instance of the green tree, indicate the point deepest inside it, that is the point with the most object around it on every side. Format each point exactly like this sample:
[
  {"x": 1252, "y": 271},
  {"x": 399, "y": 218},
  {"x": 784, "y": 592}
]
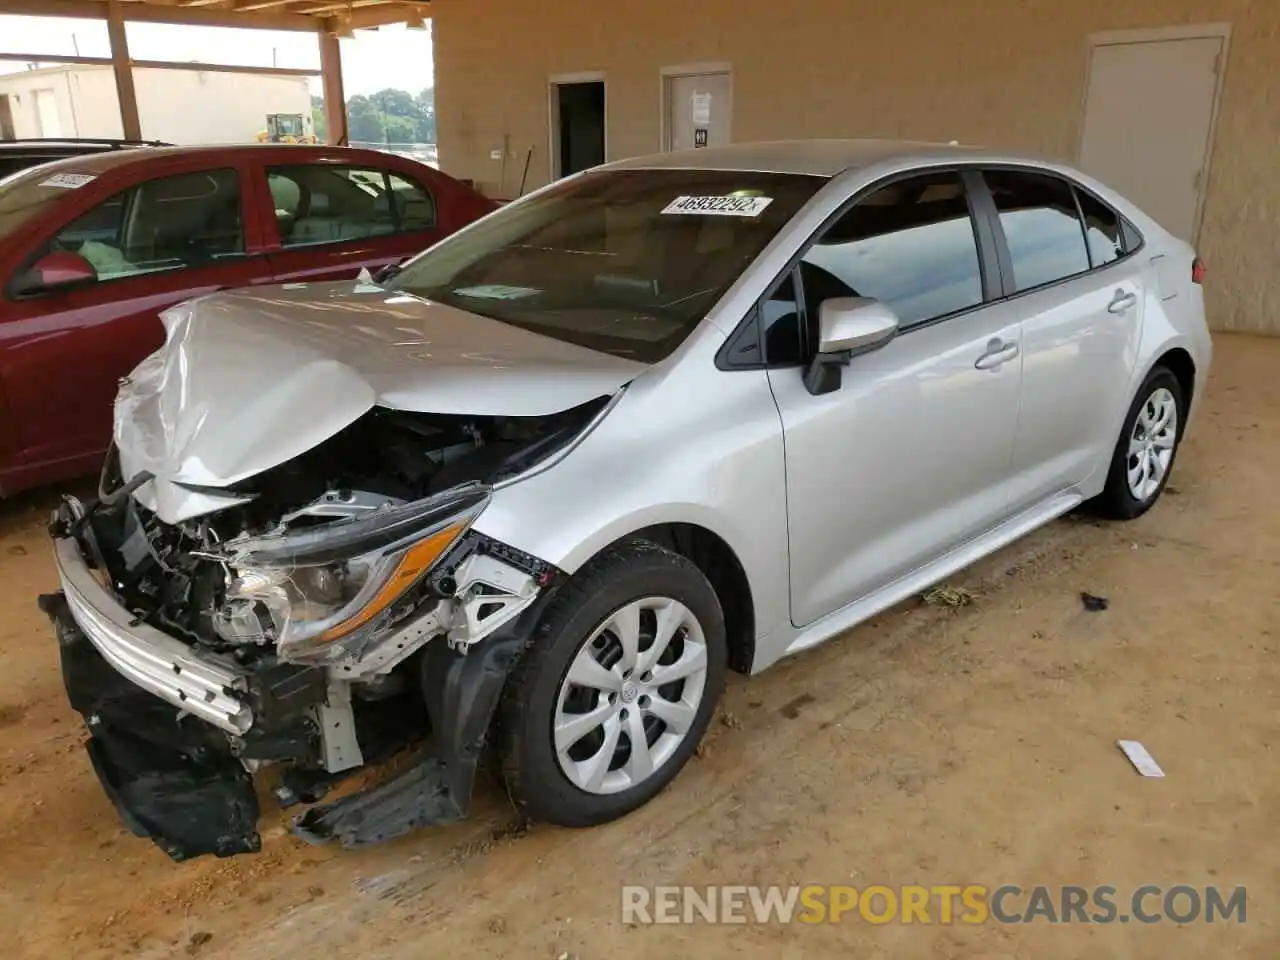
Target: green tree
[
  {"x": 319, "y": 122},
  {"x": 388, "y": 116},
  {"x": 427, "y": 115},
  {"x": 396, "y": 103},
  {"x": 364, "y": 120}
]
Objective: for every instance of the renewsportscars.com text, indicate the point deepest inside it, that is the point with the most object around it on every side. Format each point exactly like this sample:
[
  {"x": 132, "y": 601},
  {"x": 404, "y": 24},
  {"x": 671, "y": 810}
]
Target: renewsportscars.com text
[{"x": 936, "y": 904}]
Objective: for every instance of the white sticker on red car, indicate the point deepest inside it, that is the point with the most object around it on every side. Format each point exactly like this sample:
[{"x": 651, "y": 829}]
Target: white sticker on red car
[
  {"x": 68, "y": 181},
  {"x": 719, "y": 206}
]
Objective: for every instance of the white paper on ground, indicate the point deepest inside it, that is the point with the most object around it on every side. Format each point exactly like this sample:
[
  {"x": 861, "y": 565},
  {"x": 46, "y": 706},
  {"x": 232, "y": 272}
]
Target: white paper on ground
[{"x": 1140, "y": 758}]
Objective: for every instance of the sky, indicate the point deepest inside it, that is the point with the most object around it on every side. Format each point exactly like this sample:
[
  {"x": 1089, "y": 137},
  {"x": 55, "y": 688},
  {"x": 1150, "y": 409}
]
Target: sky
[{"x": 390, "y": 57}]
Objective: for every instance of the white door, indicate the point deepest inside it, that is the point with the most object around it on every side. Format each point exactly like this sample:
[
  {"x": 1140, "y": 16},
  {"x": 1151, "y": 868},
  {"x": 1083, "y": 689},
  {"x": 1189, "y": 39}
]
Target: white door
[
  {"x": 909, "y": 457},
  {"x": 1148, "y": 116},
  {"x": 698, "y": 110},
  {"x": 47, "y": 121}
]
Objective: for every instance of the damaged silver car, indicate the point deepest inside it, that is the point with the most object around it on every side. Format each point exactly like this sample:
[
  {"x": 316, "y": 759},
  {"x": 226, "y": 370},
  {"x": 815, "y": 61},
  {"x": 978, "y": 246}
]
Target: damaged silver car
[{"x": 528, "y": 497}]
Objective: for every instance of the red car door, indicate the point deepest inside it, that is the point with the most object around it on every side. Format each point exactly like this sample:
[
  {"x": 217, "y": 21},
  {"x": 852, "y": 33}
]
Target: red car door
[
  {"x": 332, "y": 215},
  {"x": 167, "y": 232}
]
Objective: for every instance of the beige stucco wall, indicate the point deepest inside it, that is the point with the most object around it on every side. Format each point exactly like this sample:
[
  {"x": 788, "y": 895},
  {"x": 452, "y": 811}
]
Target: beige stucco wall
[{"x": 1003, "y": 73}]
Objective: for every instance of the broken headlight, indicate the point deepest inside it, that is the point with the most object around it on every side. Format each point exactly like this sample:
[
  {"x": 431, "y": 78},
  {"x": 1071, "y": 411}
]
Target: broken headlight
[{"x": 328, "y": 589}]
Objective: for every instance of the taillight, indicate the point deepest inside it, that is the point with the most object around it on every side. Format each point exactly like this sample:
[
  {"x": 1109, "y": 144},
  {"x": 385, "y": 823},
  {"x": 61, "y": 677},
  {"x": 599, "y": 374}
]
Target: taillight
[{"x": 1197, "y": 270}]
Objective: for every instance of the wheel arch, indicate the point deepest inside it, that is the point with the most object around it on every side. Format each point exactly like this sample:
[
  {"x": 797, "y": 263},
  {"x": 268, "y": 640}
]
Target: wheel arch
[
  {"x": 1179, "y": 362},
  {"x": 712, "y": 554}
]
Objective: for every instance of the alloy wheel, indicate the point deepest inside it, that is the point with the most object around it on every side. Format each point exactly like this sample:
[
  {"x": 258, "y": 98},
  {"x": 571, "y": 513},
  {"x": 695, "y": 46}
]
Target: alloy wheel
[
  {"x": 1151, "y": 444},
  {"x": 630, "y": 695}
]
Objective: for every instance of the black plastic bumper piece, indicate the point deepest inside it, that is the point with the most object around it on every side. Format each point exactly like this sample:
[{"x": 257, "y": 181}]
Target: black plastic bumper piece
[
  {"x": 170, "y": 780},
  {"x": 462, "y": 694}
]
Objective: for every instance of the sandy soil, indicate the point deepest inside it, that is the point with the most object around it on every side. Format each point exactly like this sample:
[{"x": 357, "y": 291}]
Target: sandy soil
[{"x": 932, "y": 746}]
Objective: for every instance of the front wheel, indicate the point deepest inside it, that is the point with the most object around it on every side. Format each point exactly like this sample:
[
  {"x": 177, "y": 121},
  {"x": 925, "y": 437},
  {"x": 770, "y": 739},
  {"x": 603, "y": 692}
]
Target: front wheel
[
  {"x": 1146, "y": 449},
  {"x": 617, "y": 689}
]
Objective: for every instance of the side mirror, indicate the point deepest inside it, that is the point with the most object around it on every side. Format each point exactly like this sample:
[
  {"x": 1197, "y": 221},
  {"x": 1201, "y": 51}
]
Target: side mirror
[
  {"x": 847, "y": 327},
  {"x": 59, "y": 270}
]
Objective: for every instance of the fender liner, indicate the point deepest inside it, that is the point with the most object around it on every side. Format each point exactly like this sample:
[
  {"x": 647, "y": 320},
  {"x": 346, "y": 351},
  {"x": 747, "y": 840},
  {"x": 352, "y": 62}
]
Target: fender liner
[{"x": 462, "y": 691}]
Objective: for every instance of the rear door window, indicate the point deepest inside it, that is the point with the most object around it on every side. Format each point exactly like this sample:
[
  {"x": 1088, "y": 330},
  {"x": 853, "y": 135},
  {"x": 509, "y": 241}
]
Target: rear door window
[
  {"x": 325, "y": 203},
  {"x": 1041, "y": 227}
]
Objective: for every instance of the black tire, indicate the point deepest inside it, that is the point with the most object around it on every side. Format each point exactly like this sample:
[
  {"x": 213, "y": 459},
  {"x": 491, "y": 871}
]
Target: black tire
[
  {"x": 1117, "y": 501},
  {"x": 629, "y": 571}
]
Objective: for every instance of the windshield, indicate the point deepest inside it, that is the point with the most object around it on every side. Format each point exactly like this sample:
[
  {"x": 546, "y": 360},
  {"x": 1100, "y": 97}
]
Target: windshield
[
  {"x": 27, "y": 194},
  {"x": 626, "y": 262}
]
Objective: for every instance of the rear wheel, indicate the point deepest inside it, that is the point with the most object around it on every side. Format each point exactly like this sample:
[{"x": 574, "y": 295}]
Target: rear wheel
[
  {"x": 617, "y": 689},
  {"x": 1147, "y": 447}
]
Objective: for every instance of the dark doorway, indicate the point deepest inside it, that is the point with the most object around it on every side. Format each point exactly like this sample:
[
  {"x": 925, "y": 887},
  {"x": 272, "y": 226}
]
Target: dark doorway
[{"x": 580, "y": 123}]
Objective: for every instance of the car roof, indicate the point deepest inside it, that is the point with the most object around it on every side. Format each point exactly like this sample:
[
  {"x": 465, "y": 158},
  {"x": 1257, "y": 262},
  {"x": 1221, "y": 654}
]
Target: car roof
[
  {"x": 38, "y": 144},
  {"x": 824, "y": 158},
  {"x": 100, "y": 162}
]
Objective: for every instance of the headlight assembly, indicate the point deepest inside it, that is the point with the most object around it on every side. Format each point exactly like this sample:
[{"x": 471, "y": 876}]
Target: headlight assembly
[{"x": 329, "y": 588}]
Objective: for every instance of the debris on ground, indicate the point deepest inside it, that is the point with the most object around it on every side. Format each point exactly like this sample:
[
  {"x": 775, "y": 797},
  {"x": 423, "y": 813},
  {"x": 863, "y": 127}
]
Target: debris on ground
[
  {"x": 1094, "y": 603},
  {"x": 198, "y": 940},
  {"x": 791, "y": 709},
  {"x": 948, "y": 596},
  {"x": 1142, "y": 761},
  {"x": 729, "y": 720}
]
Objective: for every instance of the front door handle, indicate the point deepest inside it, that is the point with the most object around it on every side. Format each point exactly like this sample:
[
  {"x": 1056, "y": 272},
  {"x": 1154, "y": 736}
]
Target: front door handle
[
  {"x": 1122, "y": 302},
  {"x": 998, "y": 352}
]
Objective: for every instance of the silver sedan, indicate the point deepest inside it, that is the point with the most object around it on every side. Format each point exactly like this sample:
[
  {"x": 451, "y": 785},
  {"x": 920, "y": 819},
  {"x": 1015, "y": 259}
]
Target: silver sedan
[{"x": 668, "y": 417}]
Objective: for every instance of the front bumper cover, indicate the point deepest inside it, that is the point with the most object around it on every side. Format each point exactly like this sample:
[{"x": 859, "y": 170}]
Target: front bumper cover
[
  {"x": 173, "y": 781},
  {"x": 160, "y": 713}
]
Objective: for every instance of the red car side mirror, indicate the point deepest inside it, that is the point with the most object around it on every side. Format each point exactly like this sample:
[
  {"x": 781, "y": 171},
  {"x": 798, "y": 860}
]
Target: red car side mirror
[{"x": 59, "y": 270}]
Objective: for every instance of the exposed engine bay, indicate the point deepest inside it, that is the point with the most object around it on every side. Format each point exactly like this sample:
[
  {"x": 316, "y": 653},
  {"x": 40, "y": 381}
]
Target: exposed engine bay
[
  {"x": 170, "y": 576},
  {"x": 322, "y": 622}
]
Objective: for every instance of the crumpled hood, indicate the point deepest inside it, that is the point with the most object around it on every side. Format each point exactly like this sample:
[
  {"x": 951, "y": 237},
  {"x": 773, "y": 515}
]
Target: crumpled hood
[{"x": 249, "y": 379}]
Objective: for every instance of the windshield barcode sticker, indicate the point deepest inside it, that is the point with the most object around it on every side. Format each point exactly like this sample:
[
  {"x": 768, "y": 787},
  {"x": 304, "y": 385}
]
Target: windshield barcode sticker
[
  {"x": 719, "y": 206},
  {"x": 68, "y": 181}
]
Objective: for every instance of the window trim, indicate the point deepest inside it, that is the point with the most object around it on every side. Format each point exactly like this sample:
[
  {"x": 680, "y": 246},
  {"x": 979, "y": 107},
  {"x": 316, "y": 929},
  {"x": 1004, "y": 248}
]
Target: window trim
[
  {"x": 128, "y": 192},
  {"x": 986, "y": 222}
]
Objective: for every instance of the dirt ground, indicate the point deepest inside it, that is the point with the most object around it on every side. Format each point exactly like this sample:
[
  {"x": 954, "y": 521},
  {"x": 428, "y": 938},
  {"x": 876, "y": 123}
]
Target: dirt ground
[{"x": 933, "y": 746}]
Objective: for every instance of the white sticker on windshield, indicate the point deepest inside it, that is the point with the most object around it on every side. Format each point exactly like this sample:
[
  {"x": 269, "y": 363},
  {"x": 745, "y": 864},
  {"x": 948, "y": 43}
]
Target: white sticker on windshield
[
  {"x": 67, "y": 180},
  {"x": 719, "y": 206},
  {"x": 497, "y": 291}
]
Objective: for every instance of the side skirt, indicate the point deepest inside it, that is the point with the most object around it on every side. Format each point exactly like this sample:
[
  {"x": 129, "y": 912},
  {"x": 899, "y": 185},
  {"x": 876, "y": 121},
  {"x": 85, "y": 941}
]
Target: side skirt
[{"x": 926, "y": 576}]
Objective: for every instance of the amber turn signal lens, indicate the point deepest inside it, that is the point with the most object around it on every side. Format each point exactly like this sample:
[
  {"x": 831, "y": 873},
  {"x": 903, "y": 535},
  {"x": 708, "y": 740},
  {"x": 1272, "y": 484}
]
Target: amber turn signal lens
[{"x": 416, "y": 561}]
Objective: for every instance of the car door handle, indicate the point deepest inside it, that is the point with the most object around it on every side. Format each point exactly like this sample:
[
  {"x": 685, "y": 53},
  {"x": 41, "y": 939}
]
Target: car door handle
[
  {"x": 1122, "y": 302},
  {"x": 998, "y": 352}
]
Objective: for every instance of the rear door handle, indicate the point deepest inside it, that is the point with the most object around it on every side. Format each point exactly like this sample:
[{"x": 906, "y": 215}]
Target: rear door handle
[
  {"x": 1122, "y": 302},
  {"x": 998, "y": 353}
]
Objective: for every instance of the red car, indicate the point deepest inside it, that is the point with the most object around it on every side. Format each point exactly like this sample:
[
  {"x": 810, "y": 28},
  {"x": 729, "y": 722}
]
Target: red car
[{"x": 93, "y": 247}]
